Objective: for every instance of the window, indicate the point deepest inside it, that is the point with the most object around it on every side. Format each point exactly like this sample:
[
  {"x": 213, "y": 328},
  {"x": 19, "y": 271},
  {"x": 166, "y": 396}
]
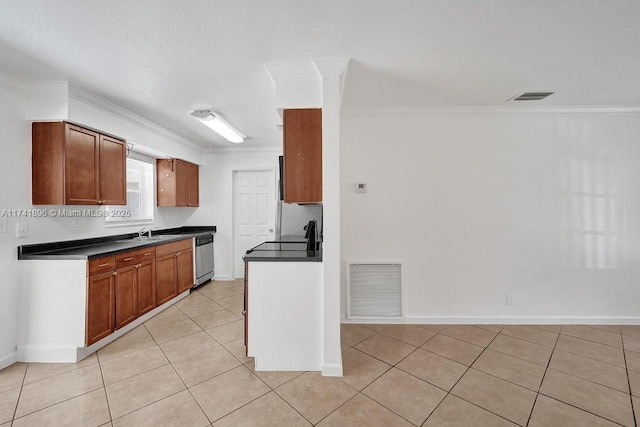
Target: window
[{"x": 140, "y": 207}]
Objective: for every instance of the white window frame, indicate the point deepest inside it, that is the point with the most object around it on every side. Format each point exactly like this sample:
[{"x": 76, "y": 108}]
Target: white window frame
[{"x": 119, "y": 221}]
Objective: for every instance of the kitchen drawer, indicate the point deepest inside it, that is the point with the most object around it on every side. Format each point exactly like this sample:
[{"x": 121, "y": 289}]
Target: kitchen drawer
[
  {"x": 168, "y": 248},
  {"x": 128, "y": 258},
  {"x": 102, "y": 264}
]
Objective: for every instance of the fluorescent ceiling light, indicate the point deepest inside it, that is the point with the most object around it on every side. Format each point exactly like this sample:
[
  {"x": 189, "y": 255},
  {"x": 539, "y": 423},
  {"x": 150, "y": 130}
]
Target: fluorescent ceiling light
[{"x": 213, "y": 121}]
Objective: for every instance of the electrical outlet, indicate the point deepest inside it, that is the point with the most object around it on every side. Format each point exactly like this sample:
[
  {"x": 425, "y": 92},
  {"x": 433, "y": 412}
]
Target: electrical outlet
[
  {"x": 22, "y": 230},
  {"x": 3, "y": 224},
  {"x": 76, "y": 222},
  {"x": 511, "y": 299}
]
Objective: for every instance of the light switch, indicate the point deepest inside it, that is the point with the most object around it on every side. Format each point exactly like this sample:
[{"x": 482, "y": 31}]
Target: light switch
[{"x": 361, "y": 187}]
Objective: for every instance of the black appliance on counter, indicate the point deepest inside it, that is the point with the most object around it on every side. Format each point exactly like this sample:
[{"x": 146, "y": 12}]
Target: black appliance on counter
[{"x": 311, "y": 234}]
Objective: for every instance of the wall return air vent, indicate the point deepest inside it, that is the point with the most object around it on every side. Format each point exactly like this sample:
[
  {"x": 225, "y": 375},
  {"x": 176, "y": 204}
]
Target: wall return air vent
[
  {"x": 531, "y": 96},
  {"x": 374, "y": 291}
]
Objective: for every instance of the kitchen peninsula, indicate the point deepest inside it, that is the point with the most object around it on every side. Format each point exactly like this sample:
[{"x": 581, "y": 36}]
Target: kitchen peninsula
[
  {"x": 283, "y": 313},
  {"x": 80, "y": 295}
]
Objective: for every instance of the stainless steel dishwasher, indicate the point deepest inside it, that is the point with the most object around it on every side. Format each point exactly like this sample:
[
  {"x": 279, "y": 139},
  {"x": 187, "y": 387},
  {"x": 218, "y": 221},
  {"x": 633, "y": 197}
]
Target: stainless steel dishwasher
[{"x": 204, "y": 258}]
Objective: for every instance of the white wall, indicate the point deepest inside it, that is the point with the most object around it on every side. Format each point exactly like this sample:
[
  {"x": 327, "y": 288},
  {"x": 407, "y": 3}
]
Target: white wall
[
  {"x": 15, "y": 192},
  {"x": 546, "y": 207},
  {"x": 216, "y": 196},
  {"x": 15, "y": 175},
  {"x": 296, "y": 217}
]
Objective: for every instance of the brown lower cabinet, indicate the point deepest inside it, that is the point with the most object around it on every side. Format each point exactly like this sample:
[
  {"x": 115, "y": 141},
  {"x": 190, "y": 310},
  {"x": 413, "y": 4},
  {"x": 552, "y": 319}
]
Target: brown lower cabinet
[
  {"x": 166, "y": 270},
  {"x": 146, "y": 280},
  {"x": 100, "y": 300},
  {"x": 126, "y": 296},
  {"x": 134, "y": 284},
  {"x": 123, "y": 287},
  {"x": 174, "y": 269}
]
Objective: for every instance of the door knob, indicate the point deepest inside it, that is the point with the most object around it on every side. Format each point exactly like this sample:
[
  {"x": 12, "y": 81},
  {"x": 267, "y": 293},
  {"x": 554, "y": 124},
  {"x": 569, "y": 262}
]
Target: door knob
[{"x": 271, "y": 230}]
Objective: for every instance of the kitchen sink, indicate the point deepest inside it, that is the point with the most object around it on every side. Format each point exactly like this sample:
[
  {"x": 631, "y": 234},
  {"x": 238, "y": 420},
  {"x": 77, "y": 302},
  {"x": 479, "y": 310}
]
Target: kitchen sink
[{"x": 143, "y": 239}]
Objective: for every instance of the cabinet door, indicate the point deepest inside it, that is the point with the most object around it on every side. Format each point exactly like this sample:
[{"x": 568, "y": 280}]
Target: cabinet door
[
  {"x": 126, "y": 296},
  {"x": 146, "y": 286},
  {"x": 166, "y": 278},
  {"x": 113, "y": 171},
  {"x": 181, "y": 183},
  {"x": 81, "y": 161},
  {"x": 193, "y": 185},
  {"x": 302, "y": 156},
  {"x": 184, "y": 261},
  {"x": 100, "y": 307},
  {"x": 165, "y": 182}
]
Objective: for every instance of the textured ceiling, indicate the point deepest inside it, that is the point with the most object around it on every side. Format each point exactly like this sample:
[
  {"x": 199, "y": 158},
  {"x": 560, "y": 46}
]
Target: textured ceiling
[{"x": 163, "y": 58}]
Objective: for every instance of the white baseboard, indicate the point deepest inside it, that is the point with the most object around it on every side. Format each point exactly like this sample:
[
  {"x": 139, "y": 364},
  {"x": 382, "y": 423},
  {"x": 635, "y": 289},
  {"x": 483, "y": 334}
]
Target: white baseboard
[
  {"x": 332, "y": 370},
  {"x": 505, "y": 320},
  {"x": 45, "y": 354},
  {"x": 8, "y": 360},
  {"x": 223, "y": 278}
]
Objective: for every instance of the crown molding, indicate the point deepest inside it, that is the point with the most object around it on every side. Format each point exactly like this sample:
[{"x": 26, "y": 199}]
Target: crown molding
[
  {"x": 13, "y": 84},
  {"x": 291, "y": 71},
  {"x": 331, "y": 66},
  {"x": 488, "y": 112},
  {"x": 83, "y": 95},
  {"x": 222, "y": 150},
  {"x": 47, "y": 86}
]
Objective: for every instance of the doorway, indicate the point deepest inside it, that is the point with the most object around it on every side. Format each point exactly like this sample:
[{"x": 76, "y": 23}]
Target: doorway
[{"x": 254, "y": 208}]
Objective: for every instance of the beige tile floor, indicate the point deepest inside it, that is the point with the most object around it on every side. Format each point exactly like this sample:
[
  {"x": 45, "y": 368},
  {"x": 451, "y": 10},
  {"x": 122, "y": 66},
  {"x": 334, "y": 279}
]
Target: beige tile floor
[{"x": 186, "y": 367}]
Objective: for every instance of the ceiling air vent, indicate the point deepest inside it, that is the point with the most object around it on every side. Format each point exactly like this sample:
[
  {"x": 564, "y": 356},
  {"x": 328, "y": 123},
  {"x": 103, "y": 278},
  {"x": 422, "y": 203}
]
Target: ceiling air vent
[{"x": 531, "y": 96}]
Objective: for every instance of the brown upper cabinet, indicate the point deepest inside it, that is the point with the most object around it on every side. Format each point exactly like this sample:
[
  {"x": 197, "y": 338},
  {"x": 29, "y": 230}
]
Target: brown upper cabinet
[
  {"x": 71, "y": 165},
  {"x": 302, "y": 155},
  {"x": 178, "y": 183}
]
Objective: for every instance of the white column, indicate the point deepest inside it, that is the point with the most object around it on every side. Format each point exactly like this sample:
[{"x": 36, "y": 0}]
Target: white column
[{"x": 332, "y": 72}]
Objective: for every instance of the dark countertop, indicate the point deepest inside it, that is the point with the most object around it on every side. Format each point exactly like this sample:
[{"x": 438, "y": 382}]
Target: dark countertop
[
  {"x": 287, "y": 249},
  {"x": 108, "y": 245}
]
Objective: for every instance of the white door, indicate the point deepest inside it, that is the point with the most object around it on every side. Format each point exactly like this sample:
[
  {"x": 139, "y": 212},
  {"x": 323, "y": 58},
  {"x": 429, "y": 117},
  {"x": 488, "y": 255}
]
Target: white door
[{"x": 254, "y": 209}]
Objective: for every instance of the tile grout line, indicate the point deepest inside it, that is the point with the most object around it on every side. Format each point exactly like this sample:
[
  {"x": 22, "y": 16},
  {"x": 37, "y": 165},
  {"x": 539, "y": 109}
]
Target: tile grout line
[
  {"x": 221, "y": 373},
  {"x": 181, "y": 379},
  {"x": 390, "y": 367},
  {"x": 15, "y": 410},
  {"x": 289, "y": 404},
  {"x": 461, "y": 376},
  {"x": 374, "y": 380},
  {"x": 535, "y": 400},
  {"x": 592, "y": 341},
  {"x": 53, "y": 404},
  {"x": 570, "y": 404},
  {"x": 104, "y": 388},
  {"x": 241, "y": 406},
  {"x": 624, "y": 355}
]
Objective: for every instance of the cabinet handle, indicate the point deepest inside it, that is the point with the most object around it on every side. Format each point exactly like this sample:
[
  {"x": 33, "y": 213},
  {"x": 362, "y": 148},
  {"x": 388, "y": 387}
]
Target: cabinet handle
[
  {"x": 115, "y": 273},
  {"x": 178, "y": 253},
  {"x": 103, "y": 265},
  {"x": 137, "y": 266},
  {"x": 147, "y": 254},
  {"x": 128, "y": 259}
]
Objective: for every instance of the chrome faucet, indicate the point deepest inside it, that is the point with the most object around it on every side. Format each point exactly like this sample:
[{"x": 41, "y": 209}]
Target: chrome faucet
[{"x": 144, "y": 230}]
